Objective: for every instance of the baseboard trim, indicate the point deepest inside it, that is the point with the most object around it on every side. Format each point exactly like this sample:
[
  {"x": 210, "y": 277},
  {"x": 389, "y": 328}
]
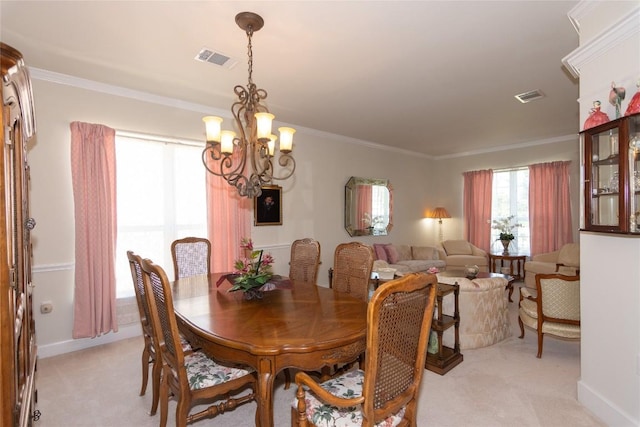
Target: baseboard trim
[
  {"x": 603, "y": 408},
  {"x": 62, "y": 347}
]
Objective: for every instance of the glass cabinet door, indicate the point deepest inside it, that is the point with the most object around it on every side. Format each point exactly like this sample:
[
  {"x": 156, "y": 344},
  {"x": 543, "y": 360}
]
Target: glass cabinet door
[
  {"x": 605, "y": 178},
  {"x": 634, "y": 173},
  {"x": 611, "y": 176}
]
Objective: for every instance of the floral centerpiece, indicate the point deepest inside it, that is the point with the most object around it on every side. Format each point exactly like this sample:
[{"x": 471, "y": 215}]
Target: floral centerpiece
[
  {"x": 506, "y": 227},
  {"x": 252, "y": 271}
]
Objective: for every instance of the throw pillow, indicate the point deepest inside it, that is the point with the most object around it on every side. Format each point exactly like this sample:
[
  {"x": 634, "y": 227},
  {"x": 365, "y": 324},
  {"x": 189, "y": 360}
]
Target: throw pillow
[
  {"x": 380, "y": 251},
  {"x": 457, "y": 247},
  {"x": 392, "y": 254}
]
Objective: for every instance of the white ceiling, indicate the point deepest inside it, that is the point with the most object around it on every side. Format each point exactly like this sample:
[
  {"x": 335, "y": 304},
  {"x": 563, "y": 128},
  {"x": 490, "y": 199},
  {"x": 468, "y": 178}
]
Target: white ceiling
[{"x": 434, "y": 77}]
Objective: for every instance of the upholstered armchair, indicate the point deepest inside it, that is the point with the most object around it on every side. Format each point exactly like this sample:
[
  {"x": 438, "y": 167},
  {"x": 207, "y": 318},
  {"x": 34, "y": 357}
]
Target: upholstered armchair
[
  {"x": 554, "y": 311},
  {"x": 459, "y": 253},
  {"x": 564, "y": 261}
]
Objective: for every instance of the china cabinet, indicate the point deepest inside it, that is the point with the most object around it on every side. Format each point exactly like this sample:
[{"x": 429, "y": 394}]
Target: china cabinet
[
  {"x": 17, "y": 327},
  {"x": 611, "y": 176}
]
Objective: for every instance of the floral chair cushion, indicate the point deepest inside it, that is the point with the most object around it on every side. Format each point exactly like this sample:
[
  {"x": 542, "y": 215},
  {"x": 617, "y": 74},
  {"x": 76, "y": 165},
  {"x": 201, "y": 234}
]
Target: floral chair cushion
[
  {"x": 203, "y": 372},
  {"x": 348, "y": 385}
]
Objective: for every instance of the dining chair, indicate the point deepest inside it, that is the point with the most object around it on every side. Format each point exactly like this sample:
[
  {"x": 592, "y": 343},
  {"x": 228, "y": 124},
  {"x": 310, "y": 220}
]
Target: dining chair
[
  {"x": 305, "y": 260},
  {"x": 192, "y": 378},
  {"x": 555, "y": 310},
  {"x": 149, "y": 354},
  {"x": 191, "y": 256},
  {"x": 398, "y": 323},
  {"x": 352, "y": 265}
]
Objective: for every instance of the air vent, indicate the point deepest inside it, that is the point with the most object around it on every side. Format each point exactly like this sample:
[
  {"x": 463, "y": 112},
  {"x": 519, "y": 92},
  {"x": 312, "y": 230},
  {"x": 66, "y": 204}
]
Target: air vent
[
  {"x": 532, "y": 95},
  {"x": 217, "y": 58}
]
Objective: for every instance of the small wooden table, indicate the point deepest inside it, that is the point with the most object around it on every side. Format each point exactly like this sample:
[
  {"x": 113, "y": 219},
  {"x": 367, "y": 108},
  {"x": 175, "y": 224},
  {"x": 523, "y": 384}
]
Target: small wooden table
[
  {"x": 301, "y": 326},
  {"x": 483, "y": 275},
  {"x": 510, "y": 259}
]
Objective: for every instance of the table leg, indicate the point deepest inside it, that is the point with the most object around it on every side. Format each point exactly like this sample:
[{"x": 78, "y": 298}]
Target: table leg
[{"x": 264, "y": 393}]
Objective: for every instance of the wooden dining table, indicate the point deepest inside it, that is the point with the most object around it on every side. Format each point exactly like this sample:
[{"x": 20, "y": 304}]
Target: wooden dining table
[{"x": 296, "y": 325}]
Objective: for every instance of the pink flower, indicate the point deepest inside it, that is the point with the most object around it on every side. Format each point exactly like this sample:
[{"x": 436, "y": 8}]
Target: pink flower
[
  {"x": 433, "y": 270},
  {"x": 246, "y": 243}
]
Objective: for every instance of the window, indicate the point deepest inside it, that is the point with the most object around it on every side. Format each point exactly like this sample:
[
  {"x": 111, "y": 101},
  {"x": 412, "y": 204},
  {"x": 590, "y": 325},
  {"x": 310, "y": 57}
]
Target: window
[
  {"x": 510, "y": 196},
  {"x": 161, "y": 192}
]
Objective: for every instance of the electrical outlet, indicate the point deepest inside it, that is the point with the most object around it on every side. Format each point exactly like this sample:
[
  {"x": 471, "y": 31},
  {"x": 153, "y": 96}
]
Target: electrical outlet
[{"x": 46, "y": 307}]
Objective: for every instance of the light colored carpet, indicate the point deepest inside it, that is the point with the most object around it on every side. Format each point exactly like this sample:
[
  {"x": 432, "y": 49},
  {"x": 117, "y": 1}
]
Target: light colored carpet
[{"x": 501, "y": 385}]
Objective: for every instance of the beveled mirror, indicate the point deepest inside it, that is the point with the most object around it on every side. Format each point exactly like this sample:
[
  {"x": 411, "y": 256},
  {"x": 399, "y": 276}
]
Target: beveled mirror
[{"x": 368, "y": 207}]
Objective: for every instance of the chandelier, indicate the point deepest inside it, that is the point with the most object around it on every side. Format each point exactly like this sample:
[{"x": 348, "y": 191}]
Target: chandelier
[{"x": 245, "y": 158}]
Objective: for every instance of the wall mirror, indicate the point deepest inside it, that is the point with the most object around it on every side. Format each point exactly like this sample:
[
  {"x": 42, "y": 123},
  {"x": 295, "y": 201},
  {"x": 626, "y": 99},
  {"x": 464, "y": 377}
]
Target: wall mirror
[{"x": 368, "y": 207}]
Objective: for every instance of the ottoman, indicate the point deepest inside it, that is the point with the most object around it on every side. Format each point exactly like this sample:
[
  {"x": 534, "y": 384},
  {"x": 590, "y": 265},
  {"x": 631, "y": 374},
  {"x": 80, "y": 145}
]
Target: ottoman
[{"x": 484, "y": 311}]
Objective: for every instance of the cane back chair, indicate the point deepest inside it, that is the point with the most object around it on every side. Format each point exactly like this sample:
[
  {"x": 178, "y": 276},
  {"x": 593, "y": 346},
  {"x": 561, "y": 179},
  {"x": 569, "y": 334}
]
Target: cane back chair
[
  {"x": 191, "y": 257},
  {"x": 398, "y": 323},
  {"x": 352, "y": 265},
  {"x": 305, "y": 260},
  {"x": 193, "y": 378}
]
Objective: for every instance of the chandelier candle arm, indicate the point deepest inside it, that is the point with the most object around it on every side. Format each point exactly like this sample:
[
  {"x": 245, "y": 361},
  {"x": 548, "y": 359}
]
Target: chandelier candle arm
[{"x": 227, "y": 153}]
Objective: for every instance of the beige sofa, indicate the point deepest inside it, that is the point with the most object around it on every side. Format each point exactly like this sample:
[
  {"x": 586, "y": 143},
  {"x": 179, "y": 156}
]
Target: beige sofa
[
  {"x": 565, "y": 261},
  {"x": 459, "y": 253},
  {"x": 407, "y": 259}
]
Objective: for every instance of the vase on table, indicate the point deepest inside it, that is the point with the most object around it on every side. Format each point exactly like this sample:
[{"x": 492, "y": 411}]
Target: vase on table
[{"x": 505, "y": 245}]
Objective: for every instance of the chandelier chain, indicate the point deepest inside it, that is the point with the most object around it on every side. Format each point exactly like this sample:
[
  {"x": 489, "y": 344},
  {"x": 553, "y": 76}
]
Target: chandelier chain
[{"x": 250, "y": 54}]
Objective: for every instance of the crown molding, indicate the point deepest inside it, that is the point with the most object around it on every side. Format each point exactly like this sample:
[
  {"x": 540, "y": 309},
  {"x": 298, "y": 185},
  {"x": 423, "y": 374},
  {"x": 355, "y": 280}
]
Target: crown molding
[
  {"x": 625, "y": 28},
  {"x": 579, "y": 11}
]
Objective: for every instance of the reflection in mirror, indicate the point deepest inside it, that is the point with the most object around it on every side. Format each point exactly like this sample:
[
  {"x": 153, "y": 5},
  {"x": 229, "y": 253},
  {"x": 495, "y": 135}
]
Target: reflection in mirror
[{"x": 367, "y": 207}]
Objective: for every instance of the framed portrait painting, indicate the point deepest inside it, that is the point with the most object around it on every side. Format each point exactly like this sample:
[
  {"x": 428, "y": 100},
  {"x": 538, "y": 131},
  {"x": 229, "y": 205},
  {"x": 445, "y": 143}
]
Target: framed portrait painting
[{"x": 267, "y": 207}]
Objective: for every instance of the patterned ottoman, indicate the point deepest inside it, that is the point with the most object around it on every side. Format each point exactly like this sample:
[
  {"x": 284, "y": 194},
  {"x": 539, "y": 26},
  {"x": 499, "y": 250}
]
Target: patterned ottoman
[{"x": 484, "y": 311}]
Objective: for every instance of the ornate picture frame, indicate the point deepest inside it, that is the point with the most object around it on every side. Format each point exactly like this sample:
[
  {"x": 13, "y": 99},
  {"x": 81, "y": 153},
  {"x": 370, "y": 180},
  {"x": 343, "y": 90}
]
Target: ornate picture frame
[{"x": 267, "y": 207}]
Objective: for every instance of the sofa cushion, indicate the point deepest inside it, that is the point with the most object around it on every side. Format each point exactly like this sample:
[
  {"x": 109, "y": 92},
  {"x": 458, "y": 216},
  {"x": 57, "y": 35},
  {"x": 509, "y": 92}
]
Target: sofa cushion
[
  {"x": 415, "y": 265},
  {"x": 424, "y": 252},
  {"x": 380, "y": 251},
  {"x": 404, "y": 252},
  {"x": 570, "y": 255},
  {"x": 457, "y": 247},
  {"x": 392, "y": 254}
]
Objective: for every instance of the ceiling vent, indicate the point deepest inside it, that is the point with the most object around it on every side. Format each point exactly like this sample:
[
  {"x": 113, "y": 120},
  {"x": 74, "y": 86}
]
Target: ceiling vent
[
  {"x": 532, "y": 95},
  {"x": 217, "y": 58}
]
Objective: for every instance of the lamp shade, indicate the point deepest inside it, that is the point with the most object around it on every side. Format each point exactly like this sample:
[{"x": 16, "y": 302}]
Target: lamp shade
[{"x": 439, "y": 213}]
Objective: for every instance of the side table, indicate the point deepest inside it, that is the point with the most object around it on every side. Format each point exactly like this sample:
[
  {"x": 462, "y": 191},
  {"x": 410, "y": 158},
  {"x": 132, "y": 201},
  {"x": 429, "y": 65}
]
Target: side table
[
  {"x": 446, "y": 358},
  {"x": 514, "y": 261}
]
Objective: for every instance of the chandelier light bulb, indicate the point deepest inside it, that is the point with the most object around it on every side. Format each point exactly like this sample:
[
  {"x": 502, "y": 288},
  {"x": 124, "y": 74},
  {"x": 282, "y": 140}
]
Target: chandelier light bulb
[
  {"x": 226, "y": 141},
  {"x": 272, "y": 144},
  {"x": 213, "y": 126},
  {"x": 264, "y": 124},
  {"x": 286, "y": 139}
]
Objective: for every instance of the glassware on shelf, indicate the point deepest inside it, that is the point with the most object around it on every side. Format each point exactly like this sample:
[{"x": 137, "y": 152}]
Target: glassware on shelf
[{"x": 613, "y": 183}]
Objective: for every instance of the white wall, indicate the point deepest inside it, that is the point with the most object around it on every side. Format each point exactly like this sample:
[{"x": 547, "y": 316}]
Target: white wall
[
  {"x": 610, "y": 293},
  {"x": 313, "y": 201}
]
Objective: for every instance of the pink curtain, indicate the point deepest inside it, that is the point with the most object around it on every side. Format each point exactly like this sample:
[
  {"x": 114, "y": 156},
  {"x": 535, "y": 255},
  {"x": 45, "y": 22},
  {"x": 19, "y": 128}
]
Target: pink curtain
[
  {"x": 228, "y": 220},
  {"x": 93, "y": 171},
  {"x": 549, "y": 206},
  {"x": 477, "y": 207},
  {"x": 363, "y": 206}
]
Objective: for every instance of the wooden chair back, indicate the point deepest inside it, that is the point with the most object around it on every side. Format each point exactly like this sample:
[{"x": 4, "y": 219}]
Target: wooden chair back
[
  {"x": 305, "y": 260},
  {"x": 352, "y": 265},
  {"x": 149, "y": 353},
  {"x": 399, "y": 318},
  {"x": 191, "y": 257},
  {"x": 163, "y": 317}
]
